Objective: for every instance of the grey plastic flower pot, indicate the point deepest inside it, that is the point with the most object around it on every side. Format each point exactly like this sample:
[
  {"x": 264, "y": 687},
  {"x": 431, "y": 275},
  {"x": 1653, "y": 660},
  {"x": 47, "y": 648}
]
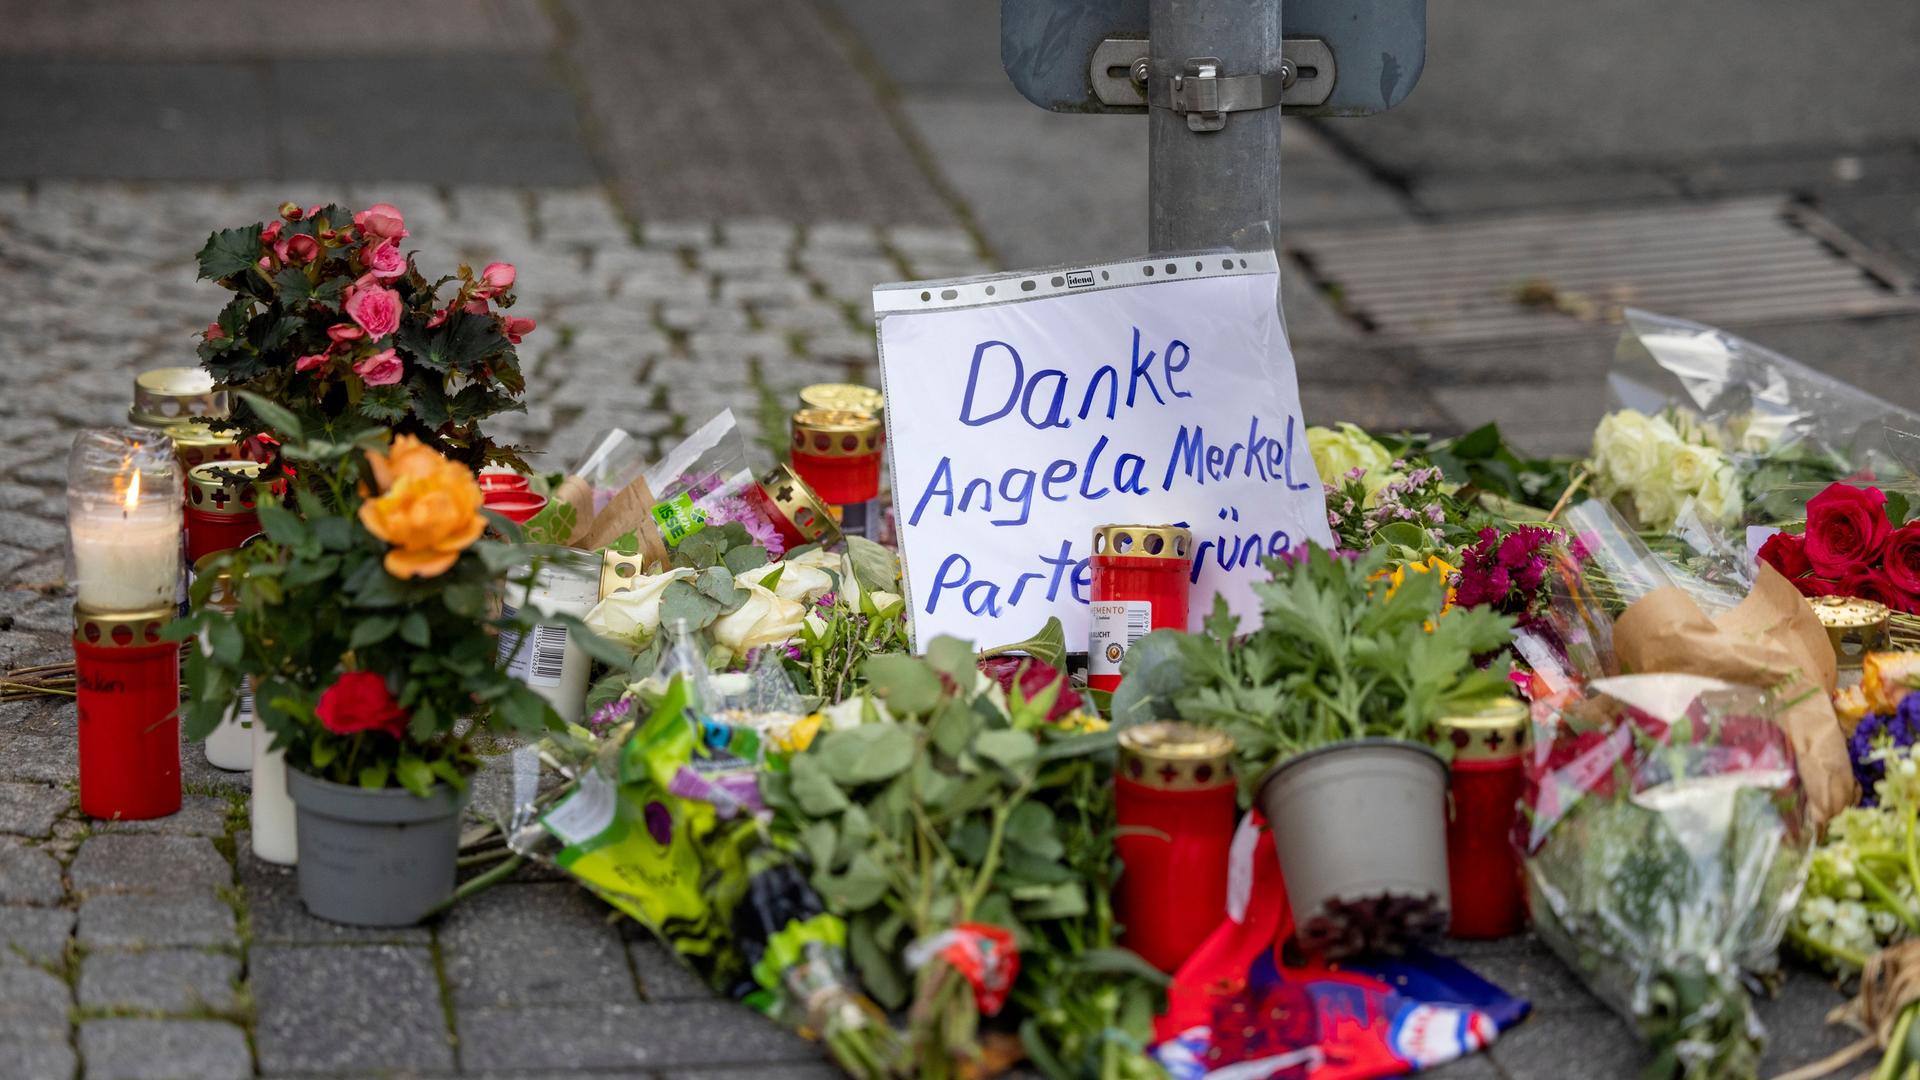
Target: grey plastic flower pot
[
  {"x": 1361, "y": 830},
  {"x": 374, "y": 858}
]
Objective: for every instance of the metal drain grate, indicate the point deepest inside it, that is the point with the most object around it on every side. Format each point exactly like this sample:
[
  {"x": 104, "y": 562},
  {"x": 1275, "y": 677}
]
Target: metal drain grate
[{"x": 1547, "y": 274}]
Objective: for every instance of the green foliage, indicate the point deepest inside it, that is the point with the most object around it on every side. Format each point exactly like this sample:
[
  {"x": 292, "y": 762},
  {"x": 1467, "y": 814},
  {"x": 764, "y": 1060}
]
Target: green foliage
[
  {"x": 1335, "y": 657},
  {"x": 315, "y": 599}
]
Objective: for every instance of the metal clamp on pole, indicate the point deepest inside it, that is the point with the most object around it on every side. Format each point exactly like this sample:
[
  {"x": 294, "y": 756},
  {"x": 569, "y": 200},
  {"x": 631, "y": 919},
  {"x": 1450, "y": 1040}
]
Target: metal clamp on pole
[{"x": 1205, "y": 97}]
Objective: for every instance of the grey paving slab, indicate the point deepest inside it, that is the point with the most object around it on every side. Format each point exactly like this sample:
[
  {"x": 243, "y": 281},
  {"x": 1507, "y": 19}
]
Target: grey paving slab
[
  {"x": 534, "y": 945},
  {"x": 39, "y": 716},
  {"x": 1402, "y": 404},
  {"x": 134, "y": 921},
  {"x": 722, "y": 130},
  {"x": 32, "y": 1000},
  {"x": 1495, "y": 192},
  {"x": 152, "y": 865},
  {"x": 347, "y": 1008},
  {"x": 133, "y": 119},
  {"x": 28, "y": 875},
  {"x": 662, "y": 976},
  {"x": 164, "y": 1050},
  {"x": 797, "y": 1071},
  {"x": 37, "y": 935},
  {"x": 30, "y": 809},
  {"x": 199, "y": 815},
  {"x": 164, "y": 980},
  {"x": 201, "y": 28},
  {"x": 46, "y": 759},
  {"x": 1796, "y": 1020},
  {"x": 624, "y": 1036},
  {"x": 1579, "y": 1045},
  {"x": 38, "y": 1055}
]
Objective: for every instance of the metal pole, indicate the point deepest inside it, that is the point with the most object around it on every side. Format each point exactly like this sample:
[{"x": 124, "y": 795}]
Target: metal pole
[{"x": 1206, "y": 185}]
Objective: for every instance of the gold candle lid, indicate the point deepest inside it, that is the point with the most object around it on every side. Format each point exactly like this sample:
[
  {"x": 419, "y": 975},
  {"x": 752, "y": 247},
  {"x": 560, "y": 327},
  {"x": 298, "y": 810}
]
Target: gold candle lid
[
  {"x": 224, "y": 487},
  {"x": 1175, "y": 756},
  {"x": 1855, "y": 627},
  {"x": 795, "y": 500},
  {"x": 226, "y": 593},
  {"x": 845, "y": 396},
  {"x": 196, "y": 443},
  {"x": 617, "y": 571},
  {"x": 1143, "y": 541},
  {"x": 835, "y": 433},
  {"x": 120, "y": 629},
  {"x": 163, "y": 396},
  {"x": 1501, "y": 730}
]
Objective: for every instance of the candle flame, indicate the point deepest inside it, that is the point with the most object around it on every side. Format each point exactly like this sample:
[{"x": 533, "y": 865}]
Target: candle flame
[{"x": 133, "y": 490}]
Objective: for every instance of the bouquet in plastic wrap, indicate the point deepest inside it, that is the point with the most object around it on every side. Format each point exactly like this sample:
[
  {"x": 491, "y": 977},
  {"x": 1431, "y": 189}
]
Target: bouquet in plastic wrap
[
  {"x": 1663, "y": 837},
  {"x": 665, "y": 824}
]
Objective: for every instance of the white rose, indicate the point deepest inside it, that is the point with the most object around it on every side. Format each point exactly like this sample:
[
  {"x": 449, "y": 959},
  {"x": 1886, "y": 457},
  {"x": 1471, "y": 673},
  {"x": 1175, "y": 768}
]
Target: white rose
[
  {"x": 1627, "y": 447},
  {"x": 1721, "y": 498},
  {"x": 885, "y": 604},
  {"x": 1655, "y": 507},
  {"x": 765, "y": 619},
  {"x": 1690, "y": 466},
  {"x": 849, "y": 594},
  {"x": 730, "y": 684},
  {"x": 797, "y": 580},
  {"x": 1762, "y": 432},
  {"x": 633, "y": 615},
  {"x": 853, "y": 712},
  {"x": 817, "y": 558}
]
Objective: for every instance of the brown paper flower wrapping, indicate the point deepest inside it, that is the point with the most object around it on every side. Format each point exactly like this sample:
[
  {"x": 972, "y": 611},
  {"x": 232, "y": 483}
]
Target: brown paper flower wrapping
[{"x": 1772, "y": 640}]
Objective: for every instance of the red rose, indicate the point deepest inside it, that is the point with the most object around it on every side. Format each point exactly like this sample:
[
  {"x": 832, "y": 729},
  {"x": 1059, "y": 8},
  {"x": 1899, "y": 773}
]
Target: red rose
[
  {"x": 1873, "y": 585},
  {"x": 1846, "y": 529},
  {"x": 1815, "y": 586},
  {"x": 1786, "y": 553},
  {"x": 358, "y": 702},
  {"x": 1902, "y": 558},
  {"x": 1034, "y": 677}
]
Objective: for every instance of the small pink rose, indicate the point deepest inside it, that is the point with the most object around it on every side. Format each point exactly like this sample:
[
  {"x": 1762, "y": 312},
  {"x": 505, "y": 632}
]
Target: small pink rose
[
  {"x": 382, "y": 220},
  {"x": 271, "y": 233},
  {"x": 383, "y": 260},
  {"x": 308, "y": 363},
  {"x": 517, "y": 328},
  {"x": 345, "y": 332},
  {"x": 475, "y": 307},
  {"x": 213, "y": 332},
  {"x": 297, "y": 249},
  {"x": 381, "y": 369},
  {"x": 498, "y": 276},
  {"x": 377, "y": 310}
]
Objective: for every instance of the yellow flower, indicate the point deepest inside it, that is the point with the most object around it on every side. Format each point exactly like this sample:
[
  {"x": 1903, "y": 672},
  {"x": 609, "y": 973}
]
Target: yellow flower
[
  {"x": 407, "y": 456},
  {"x": 800, "y": 735},
  {"x": 1850, "y": 706},
  {"x": 1889, "y": 676},
  {"x": 430, "y": 513},
  {"x": 1082, "y": 722}
]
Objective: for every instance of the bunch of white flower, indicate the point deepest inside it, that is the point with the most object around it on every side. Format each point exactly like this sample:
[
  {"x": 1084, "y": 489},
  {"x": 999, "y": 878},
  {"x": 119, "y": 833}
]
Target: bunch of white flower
[{"x": 1659, "y": 465}]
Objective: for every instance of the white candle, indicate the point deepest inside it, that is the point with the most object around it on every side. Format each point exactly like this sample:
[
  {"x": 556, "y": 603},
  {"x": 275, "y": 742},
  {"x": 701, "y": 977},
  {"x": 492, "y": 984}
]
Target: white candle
[
  {"x": 271, "y": 813},
  {"x": 124, "y": 509}
]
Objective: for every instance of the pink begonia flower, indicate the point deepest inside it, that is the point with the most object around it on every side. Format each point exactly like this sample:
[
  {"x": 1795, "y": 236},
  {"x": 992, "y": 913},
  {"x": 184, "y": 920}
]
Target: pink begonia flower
[
  {"x": 383, "y": 260},
  {"x": 290, "y": 211},
  {"x": 377, "y": 310},
  {"x": 438, "y": 318},
  {"x": 517, "y": 328},
  {"x": 498, "y": 276},
  {"x": 381, "y": 220},
  {"x": 308, "y": 363},
  {"x": 345, "y": 332},
  {"x": 297, "y": 249},
  {"x": 381, "y": 369},
  {"x": 477, "y": 306},
  {"x": 265, "y": 263},
  {"x": 213, "y": 332},
  {"x": 272, "y": 232}
]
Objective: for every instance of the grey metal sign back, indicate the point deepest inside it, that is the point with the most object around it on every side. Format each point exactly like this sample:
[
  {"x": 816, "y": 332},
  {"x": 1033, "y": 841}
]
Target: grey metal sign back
[{"x": 1346, "y": 57}]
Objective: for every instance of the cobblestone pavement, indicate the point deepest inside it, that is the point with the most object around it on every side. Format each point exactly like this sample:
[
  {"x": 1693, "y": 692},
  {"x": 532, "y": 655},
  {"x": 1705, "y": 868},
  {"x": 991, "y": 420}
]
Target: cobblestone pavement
[{"x": 157, "y": 950}]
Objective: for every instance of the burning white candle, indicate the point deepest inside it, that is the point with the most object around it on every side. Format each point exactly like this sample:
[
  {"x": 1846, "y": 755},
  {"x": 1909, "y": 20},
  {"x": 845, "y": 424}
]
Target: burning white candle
[{"x": 123, "y": 516}]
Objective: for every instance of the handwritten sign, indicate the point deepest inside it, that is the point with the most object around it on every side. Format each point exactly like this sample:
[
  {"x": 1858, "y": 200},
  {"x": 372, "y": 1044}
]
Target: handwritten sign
[{"x": 1025, "y": 410}]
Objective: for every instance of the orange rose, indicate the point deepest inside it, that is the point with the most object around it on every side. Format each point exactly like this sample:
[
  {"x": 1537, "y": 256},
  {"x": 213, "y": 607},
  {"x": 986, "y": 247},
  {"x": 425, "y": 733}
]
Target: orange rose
[
  {"x": 407, "y": 456},
  {"x": 430, "y": 515}
]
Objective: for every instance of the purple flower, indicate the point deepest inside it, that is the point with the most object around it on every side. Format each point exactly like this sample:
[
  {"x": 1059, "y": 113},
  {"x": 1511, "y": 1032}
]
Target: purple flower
[
  {"x": 1878, "y": 732},
  {"x": 606, "y": 716},
  {"x": 731, "y": 509}
]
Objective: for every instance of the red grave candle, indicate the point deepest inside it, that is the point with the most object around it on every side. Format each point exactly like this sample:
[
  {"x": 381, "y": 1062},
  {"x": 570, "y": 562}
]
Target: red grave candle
[
  {"x": 837, "y": 452},
  {"x": 792, "y": 507},
  {"x": 223, "y": 506},
  {"x": 128, "y": 693},
  {"x": 491, "y": 482},
  {"x": 1139, "y": 584},
  {"x": 1174, "y": 804},
  {"x": 516, "y": 506},
  {"x": 1483, "y": 869}
]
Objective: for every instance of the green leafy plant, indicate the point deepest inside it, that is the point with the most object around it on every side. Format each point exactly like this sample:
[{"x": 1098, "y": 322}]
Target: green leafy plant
[
  {"x": 1340, "y": 653},
  {"x": 362, "y": 677},
  {"x": 968, "y": 808},
  {"x": 331, "y": 321}
]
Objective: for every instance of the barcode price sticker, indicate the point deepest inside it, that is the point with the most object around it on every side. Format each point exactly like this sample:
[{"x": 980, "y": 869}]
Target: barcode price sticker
[
  {"x": 541, "y": 660},
  {"x": 1116, "y": 625},
  {"x": 587, "y": 812}
]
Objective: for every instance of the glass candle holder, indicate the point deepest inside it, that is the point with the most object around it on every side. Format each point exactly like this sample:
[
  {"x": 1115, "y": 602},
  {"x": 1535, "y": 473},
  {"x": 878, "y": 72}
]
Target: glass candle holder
[{"x": 124, "y": 506}]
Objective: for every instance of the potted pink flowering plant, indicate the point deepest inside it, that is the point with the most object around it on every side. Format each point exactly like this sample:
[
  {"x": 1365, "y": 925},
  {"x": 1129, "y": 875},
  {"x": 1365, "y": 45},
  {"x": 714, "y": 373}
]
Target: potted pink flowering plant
[{"x": 331, "y": 319}]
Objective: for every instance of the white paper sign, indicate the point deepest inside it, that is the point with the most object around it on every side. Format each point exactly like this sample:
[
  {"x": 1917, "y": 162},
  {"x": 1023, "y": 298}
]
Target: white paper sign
[{"x": 1026, "y": 410}]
